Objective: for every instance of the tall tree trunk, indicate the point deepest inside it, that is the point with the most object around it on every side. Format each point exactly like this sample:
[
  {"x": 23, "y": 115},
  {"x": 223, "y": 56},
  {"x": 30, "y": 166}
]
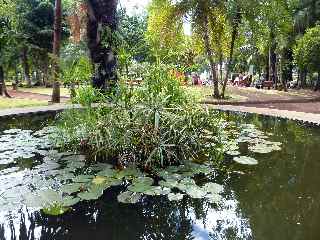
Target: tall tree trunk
[
  {"x": 56, "y": 51},
  {"x": 210, "y": 57},
  {"x": 287, "y": 67},
  {"x": 317, "y": 87},
  {"x": 267, "y": 68},
  {"x": 235, "y": 27},
  {"x": 26, "y": 66},
  {"x": 3, "y": 88},
  {"x": 102, "y": 24},
  {"x": 273, "y": 60}
]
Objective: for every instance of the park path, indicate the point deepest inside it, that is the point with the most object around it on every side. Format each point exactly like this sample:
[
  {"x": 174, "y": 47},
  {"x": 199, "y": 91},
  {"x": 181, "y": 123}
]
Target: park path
[
  {"x": 306, "y": 101},
  {"x": 34, "y": 96}
]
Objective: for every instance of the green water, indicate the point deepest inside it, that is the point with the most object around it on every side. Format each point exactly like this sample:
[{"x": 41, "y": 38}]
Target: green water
[{"x": 277, "y": 199}]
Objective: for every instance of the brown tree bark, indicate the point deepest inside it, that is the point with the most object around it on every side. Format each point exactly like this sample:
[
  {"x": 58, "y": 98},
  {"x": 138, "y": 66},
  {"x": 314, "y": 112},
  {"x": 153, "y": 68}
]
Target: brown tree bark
[
  {"x": 26, "y": 66},
  {"x": 273, "y": 60},
  {"x": 235, "y": 28},
  {"x": 56, "y": 51},
  {"x": 3, "y": 88},
  {"x": 102, "y": 23}
]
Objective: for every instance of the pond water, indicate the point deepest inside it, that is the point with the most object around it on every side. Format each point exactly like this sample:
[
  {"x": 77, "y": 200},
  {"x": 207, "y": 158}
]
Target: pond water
[{"x": 277, "y": 199}]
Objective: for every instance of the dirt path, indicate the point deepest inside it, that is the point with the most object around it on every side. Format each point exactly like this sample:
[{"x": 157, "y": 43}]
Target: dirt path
[
  {"x": 295, "y": 100},
  {"x": 35, "y": 96}
]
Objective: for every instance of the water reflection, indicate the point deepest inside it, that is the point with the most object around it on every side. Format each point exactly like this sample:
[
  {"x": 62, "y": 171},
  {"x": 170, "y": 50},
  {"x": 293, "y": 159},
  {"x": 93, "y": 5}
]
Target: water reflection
[{"x": 154, "y": 218}]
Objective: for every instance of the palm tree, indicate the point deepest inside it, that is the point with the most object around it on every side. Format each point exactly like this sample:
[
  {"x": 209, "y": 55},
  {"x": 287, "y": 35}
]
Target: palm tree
[
  {"x": 102, "y": 24},
  {"x": 200, "y": 12},
  {"x": 56, "y": 50}
]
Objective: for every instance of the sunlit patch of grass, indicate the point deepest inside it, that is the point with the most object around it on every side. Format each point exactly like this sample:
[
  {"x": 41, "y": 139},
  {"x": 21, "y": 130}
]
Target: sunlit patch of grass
[{"x": 6, "y": 103}]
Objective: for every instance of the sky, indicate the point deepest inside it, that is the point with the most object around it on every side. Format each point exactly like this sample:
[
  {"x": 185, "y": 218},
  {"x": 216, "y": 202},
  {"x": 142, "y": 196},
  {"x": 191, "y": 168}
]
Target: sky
[{"x": 134, "y": 5}]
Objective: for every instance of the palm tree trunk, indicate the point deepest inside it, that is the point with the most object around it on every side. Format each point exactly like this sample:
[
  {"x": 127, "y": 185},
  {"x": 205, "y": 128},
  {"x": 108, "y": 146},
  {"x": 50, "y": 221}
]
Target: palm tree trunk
[
  {"x": 210, "y": 57},
  {"x": 56, "y": 51},
  {"x": 102, "y": 24}
]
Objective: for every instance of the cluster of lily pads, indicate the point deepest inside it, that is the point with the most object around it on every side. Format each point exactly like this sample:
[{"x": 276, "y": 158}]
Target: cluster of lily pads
[
  {"x": 256, "y": 140},
  {"x": 174, "y": 182},
  {"x": 18, "y": 144},
  {"x": 64, "y": 179}
]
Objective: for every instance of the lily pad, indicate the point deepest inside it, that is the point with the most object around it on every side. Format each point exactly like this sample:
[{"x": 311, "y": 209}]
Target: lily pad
[
  {"x": 83, "y": 178},
  {"x": 245, "y": 160},
  {"x": 196, "y": 192},
  {"x": 71, "y": 188},
  {"x": 175, "y": 196},
  {"x": 55, "y": 210},
  {"x": 157, "y": 191},
  {"x": 129, "y": 197},
  {"x": 213, "y": 188},
  {"x": 93, "y": 193},
  {"x": 98, "y": 180}
]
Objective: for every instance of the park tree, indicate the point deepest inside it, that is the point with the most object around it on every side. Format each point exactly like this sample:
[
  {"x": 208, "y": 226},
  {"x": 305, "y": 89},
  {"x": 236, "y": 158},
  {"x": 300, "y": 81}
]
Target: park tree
[
  {"x": 102, "y": 39},
  {"x": 307, "y": 53},
  {"x": 7, "y": 40},
  {"x": 165, "y": 32}
]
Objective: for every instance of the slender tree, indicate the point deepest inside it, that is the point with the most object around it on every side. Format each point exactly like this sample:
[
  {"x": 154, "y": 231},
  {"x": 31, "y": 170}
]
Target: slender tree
[{"x": 56, "y": 51}]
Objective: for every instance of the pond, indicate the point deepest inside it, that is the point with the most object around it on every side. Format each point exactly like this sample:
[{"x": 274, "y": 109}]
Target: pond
[{"x": 279, "y": 198}]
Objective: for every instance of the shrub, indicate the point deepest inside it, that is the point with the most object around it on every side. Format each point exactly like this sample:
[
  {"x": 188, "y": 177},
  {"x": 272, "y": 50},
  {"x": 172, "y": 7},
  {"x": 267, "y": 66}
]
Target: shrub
[{"x": 155, "y": 125}]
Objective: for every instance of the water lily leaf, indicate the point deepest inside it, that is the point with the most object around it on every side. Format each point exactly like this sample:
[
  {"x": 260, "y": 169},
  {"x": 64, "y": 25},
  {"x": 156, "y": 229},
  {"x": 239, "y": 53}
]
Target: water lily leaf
[
  {"x": 83, "y": 178},
  {"x": 114, "y": 182},
  {"x": 75, "y": 165},
  {"x": 98, "y": 180},
  {"x": 42, "y": 198},
  {"x": 143, "y": 181},
  {"x": 129, "y": 197},
  {"x": 195, "y": 192},
  {"x": 245, "y": 160},
  {"x": 213, "y": 188},
  {"x": 107, "y": 173},
  {"x": 170, "y": 183},
  {"x": 157, "y": 191},
  {"x": 69, "y": 201},
  {"x": 55, "y": 209},
  {"x": 129, "y": 173},
  {"x": 93, "y": 193},
  {"x": 233, "y": 153},
  {"x": 140, "y": 188},
  {"x": 101, "y": 166},
  {"x": 73, "y": 158},
  {"x": 186, "y": 183},
  {"x": 71, "y": 188},
  {"x": 175, "y": 196}
]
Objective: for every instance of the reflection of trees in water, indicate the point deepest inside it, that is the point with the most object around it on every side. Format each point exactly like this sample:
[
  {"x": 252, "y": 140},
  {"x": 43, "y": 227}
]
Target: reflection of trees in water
[
  {"x": 281, "y": 195},
  {"x": 155, "y": 218}
]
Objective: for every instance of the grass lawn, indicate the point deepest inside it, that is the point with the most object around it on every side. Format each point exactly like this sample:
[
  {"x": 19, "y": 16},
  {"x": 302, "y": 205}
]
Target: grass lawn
[
  {"x": 6, "y": 103},
  {"x": 47, "y": 91}
]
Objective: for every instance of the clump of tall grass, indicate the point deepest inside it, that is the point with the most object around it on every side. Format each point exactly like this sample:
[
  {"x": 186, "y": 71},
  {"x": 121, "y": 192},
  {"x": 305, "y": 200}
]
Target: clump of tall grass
[{"x": 154, "y": 125}]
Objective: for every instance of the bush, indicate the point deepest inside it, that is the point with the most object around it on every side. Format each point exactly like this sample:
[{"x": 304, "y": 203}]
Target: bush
[{"x": 155, "y": 125}]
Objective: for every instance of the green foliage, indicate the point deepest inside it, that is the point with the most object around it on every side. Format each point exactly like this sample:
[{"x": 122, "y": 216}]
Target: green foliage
[
  {"x": 307, "y": 50},
  {"x": 76, "y": 65},
  {"x": 155, "y": 125},
  {"x": 87, "y": 95}
]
